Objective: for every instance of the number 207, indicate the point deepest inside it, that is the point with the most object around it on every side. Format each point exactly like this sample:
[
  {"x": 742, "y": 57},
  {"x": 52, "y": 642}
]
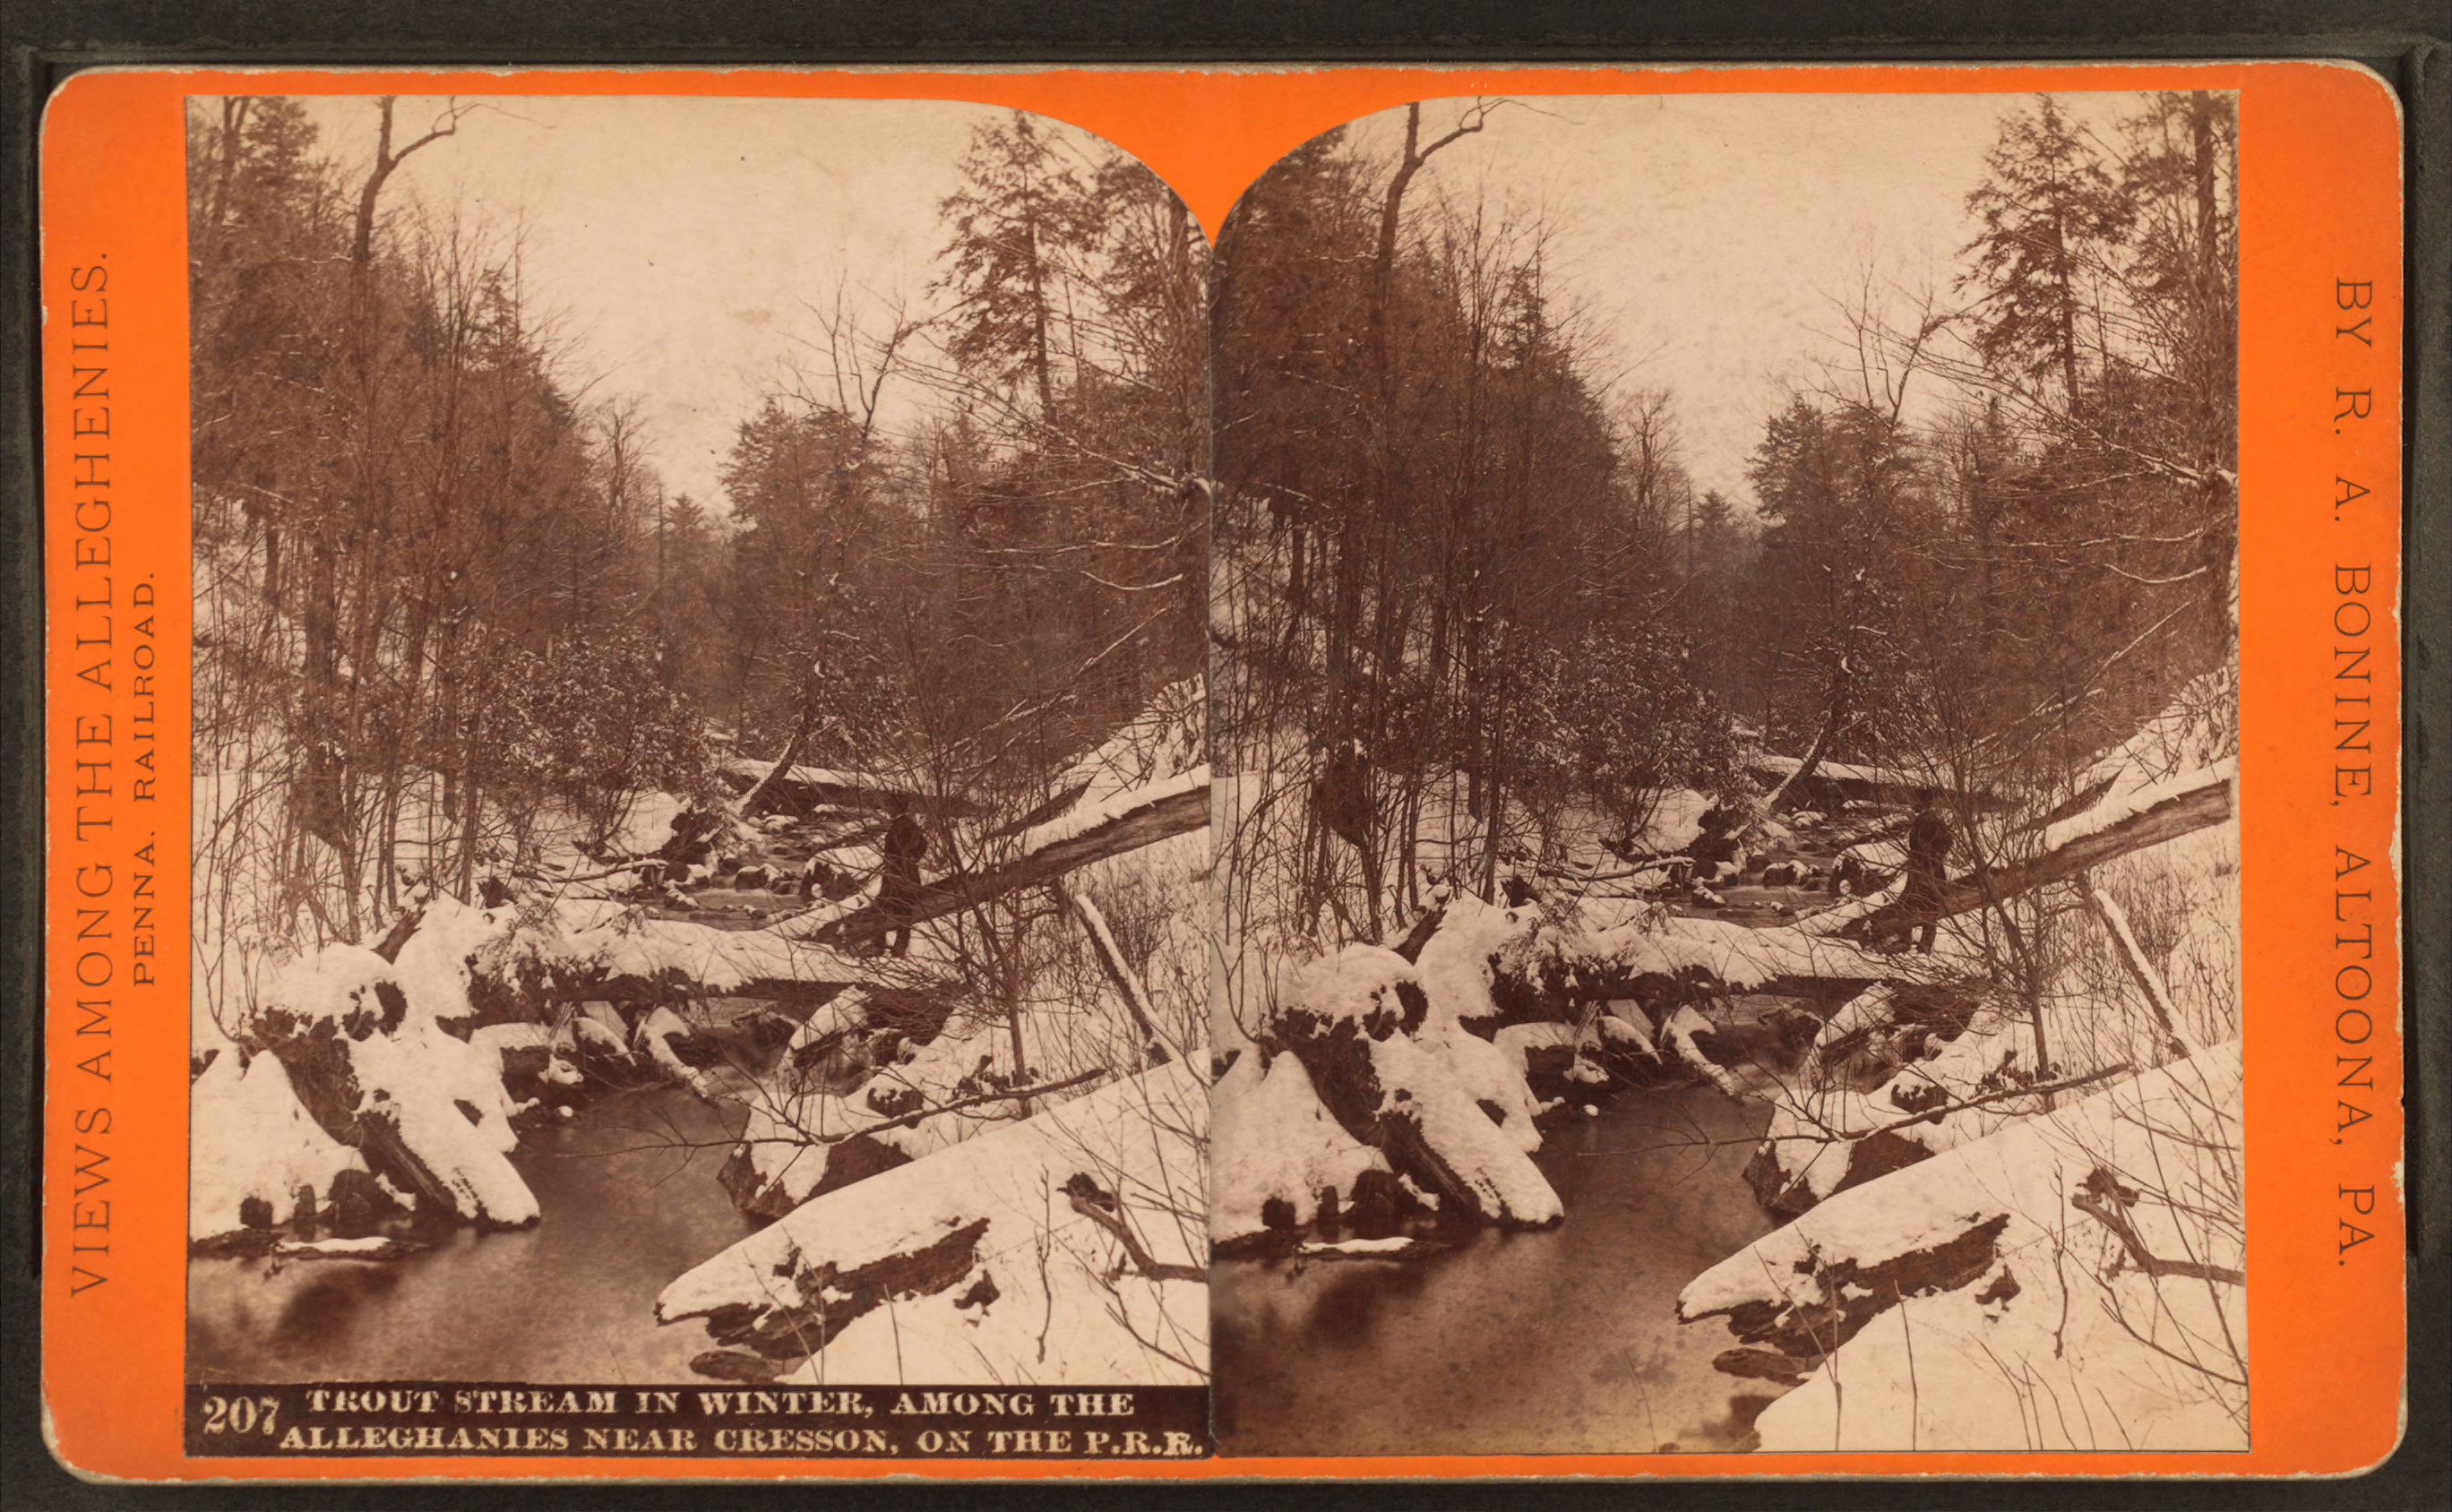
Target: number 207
[{"x": 239, "y": 1414}]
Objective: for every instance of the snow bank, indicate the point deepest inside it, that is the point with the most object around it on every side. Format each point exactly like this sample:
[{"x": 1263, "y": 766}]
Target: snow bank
[
  {"x": 1456, "y": 967},
  {"x": 1971, "y": 1298},
  {"x": 1492, "y": 1077},
  {"x": 1273, "y": 1139},
  {"x": 980, "y": 1264},
  {"x": 2018, "y": 1170},
  {"x": 1861, "y": 1015},
  {"x": 1517, "y": 1041}
]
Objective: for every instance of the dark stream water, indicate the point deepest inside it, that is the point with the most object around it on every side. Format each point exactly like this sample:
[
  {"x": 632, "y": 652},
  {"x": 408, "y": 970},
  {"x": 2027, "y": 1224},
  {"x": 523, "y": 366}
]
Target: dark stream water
[
  {"x": 627, "y": 1204},
  {"x": 1559, "y": 1341}
]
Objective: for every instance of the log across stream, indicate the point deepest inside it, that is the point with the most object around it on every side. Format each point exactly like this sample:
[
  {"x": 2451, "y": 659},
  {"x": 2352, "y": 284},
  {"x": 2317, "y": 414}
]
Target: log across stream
[
  {"x": 1552, "y": 1340},
  {"x": 629, "y": 1200}
]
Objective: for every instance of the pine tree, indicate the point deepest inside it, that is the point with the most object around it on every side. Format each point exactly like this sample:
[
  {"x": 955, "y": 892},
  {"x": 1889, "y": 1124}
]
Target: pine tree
[{"x": 2047, "y": 209}]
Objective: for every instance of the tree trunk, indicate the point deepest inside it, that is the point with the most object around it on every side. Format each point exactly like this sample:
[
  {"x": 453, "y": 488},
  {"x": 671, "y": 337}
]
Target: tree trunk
[{"x": 762, "y": 795}]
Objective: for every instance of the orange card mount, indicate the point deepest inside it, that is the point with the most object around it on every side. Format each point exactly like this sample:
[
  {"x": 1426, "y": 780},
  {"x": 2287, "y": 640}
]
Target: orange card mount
[{"x": 668, "y": 695}]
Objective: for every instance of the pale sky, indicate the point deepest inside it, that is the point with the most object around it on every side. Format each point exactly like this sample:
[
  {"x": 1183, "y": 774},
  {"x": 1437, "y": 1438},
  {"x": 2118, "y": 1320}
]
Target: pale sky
[
  {"x": 1706, "y": 235},
  {"x": 683, "y": 240}
]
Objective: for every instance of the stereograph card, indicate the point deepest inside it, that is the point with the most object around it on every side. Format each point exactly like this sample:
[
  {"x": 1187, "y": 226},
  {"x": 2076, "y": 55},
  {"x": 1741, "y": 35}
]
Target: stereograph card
[{"x": 1351, "y": 772}]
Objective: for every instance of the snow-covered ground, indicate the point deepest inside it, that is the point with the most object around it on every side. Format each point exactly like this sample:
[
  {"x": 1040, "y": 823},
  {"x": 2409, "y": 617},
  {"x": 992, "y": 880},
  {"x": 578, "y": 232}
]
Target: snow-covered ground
[
  {"x": 1075, "y": 1038},
  {"x": 1934, "y": 1132},
  {"x": 2051, "y": 1194}
]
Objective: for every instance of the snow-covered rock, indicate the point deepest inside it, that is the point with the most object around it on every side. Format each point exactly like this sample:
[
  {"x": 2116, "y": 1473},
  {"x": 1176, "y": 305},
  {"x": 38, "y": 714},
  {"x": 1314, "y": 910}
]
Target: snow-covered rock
[
  {"x": 1445, "y": 1106},
  {"x": 1273, "y": 1141},
  {"x": 1457, "y": 964},
  {"x": 369, "y": 1047},
  {"x": 251, "y": 1138},
  {"x": 995, "y": 1259}
]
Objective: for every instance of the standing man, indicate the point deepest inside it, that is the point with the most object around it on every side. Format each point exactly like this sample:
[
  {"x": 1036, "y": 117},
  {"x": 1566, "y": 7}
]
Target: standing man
[
  {"x": 1928, "y": 840},
  {"x": 898, "y": 893}
]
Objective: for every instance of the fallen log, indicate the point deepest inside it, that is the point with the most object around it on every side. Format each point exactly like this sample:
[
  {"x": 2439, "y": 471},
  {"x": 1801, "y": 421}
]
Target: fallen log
[
  {"x": 1847, "y": 780},
  {"x": 2183, "y": 810},
  {"x": 1157, "y": 1042},
  {"x": 814, "y": 787},
  {"x": 2141, "y": 971},
  {"x": 1171, "y": 810}
]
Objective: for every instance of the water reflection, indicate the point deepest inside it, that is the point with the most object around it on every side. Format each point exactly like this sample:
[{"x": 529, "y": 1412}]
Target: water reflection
[
  {"x": 630, "y": 1201},
  {"x": 1556, "y": 1342}
]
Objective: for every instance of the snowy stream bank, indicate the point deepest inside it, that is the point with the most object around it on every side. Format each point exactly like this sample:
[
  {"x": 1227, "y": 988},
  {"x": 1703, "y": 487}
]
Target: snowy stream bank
[{"x": 1458, "y": 1350}]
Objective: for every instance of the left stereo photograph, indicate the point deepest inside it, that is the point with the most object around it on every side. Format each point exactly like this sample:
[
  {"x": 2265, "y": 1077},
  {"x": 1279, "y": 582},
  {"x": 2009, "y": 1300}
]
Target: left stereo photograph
[{"x": 700, "y": 803}]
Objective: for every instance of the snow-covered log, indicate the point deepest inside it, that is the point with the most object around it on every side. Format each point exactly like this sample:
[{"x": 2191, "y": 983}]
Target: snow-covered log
[
  {"x": 1513, "y": 966},
  {"x": 1062, "y": 1249},
  {"x": 2140, "y": 970},
  {"x": 1849, "y": 780},
  {"x": 601, "y": 951},
  {"x": 815, "y": 787},
  {"x": 1126, "y": 821},
  {"x": 587, "y": 949},
  {"x": 2125, "y": 822},
  {"x": 1118, "y": 972},
  {"x": 1678, "y": 1031}
]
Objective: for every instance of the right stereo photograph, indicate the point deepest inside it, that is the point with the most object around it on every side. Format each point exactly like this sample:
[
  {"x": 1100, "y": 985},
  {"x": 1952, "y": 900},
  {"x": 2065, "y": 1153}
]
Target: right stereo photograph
[{"x": 1725, "y": 689}]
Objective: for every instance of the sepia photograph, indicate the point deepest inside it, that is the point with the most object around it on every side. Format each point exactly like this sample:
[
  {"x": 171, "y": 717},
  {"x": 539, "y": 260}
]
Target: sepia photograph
[
  {"x": 701, "y": 840},
  {"x": 1725, "y": 664}
]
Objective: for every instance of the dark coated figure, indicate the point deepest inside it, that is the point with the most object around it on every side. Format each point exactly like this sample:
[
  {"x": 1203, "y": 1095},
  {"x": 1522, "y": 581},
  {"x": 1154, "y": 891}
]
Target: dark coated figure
[
  {"x": 897, "y": 894},
  {"x": 1928, "y": 839}
]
